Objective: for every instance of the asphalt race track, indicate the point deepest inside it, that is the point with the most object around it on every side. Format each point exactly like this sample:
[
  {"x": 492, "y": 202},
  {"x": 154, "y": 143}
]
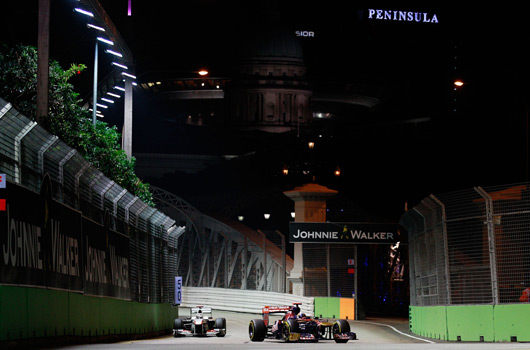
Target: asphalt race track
[{"x": 380, "y": 334}]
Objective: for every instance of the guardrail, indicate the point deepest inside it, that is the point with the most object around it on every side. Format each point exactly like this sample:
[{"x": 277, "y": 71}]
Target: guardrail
[{"x": 240, "y": 300}]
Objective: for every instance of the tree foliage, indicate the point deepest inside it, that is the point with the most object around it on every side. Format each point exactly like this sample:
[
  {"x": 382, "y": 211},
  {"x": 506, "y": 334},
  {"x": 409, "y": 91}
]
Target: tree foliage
[{"x": 99, "y": 144}]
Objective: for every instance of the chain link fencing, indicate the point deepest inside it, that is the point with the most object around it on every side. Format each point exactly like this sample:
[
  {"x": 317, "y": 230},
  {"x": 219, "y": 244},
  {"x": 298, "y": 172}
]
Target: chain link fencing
[
  {"x": 28, "y": 152},
  {"x": 470, "y": 246}
]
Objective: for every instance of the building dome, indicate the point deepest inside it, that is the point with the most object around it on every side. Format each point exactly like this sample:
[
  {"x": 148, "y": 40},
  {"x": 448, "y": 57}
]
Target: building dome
[{"x": 271, "y": 92}]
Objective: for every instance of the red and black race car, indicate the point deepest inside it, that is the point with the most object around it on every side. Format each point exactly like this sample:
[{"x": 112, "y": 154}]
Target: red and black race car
[{"x": 294, "y": 327}]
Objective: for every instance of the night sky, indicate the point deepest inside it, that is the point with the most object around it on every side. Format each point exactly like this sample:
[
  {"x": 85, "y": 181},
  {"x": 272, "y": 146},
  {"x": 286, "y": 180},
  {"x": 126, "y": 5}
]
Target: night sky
[{"x": 473, "y": 137}]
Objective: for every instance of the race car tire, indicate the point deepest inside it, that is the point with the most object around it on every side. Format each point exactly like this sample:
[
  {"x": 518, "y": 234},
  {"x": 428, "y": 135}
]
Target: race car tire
[
  {"x": 289, "y": 326},
  {"x": 257, "y": 330},
  {"x": 341, "y": 326},
  {"x": 178, "y": 324},
  {"x": 221, "y": 324}
]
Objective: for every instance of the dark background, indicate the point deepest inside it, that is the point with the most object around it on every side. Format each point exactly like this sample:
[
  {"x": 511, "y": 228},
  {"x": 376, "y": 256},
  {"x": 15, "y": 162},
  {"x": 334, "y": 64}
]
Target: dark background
[
  {"x": 423, "y": 138},
  {"x": 472, "y": 137}
]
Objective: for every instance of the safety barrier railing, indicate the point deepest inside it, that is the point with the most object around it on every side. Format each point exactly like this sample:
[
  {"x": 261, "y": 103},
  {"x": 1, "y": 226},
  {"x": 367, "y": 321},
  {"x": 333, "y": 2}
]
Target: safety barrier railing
[
  {"x": 28, "y": 152},
  {"x": 470, "y": 246}
]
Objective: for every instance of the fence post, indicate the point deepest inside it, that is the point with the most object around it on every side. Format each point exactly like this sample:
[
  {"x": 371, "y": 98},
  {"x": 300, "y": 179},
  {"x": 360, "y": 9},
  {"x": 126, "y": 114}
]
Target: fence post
[
  {"x": 446, "y": 249},
  {"x": 491, "y": 244}
]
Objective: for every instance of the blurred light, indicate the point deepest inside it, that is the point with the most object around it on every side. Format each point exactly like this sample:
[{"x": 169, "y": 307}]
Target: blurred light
[
  {"x": 119, "y": 65},
  {"x": 95, "y": 27},
  {"x": 107, "y": 100},
  {"x": 106, "y": 41},
  {"x": 266, "y": 216},
  {"x": 84, "y": 12},
  {"x": 311, "y": 144},
  {"x": 119, "y": 88},
  {"x": 285, "y": 170},
  {"x": 114, "y": 53},
  {"x": 128, "y": 75},
  {"x": 240, "y": 217},
  {"x": 113, "y": 95},
  {"x": 203, "y": 72},
  {"x": 102, "y": 106},
  {"x": 459, "y": 83},
  {"x": 337, "y": 171},
  {"x": 98, "y": 113},
  {"x": 292, "y": 214}
]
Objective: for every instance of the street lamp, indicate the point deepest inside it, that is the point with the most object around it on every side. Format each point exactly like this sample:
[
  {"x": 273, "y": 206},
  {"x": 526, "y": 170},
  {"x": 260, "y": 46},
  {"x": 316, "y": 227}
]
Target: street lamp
[
  {"x": 96, "y": 59},
  {"x": 95, "y": 80},
  {"x": 98, "y": 15}
]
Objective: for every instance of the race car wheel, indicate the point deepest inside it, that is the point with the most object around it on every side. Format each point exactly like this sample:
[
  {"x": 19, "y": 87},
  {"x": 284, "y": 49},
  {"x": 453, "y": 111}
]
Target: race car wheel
[
  {"x": 221, "y": 324},
  {"x": 257, "y": 330},
  {"x": 341, "y": 326},
  {"x": 289, "y": 326},
  {"x": 178, "y": 324}
]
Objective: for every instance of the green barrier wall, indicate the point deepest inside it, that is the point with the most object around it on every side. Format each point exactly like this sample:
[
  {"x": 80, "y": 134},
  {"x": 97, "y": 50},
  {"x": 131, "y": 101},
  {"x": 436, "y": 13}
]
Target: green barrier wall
[
  {"x": 27, "y": 313},
  {"x": 490, "y": 323},
  {"x": 335, "y": 308}
]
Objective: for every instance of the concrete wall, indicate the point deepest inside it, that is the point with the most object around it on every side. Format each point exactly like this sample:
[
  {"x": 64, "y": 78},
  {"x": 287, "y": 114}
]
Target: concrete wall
[
  {"x": 241, "y": 300},
  {"x": 253, "y": 301},
  {"x": 28, "y": 313},
  {"x": 491, "y": 323}
]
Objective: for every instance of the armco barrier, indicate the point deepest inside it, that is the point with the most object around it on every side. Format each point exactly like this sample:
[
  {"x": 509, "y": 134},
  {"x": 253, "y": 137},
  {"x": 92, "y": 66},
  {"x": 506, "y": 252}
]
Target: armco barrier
[{"x": 239, "y": 300}]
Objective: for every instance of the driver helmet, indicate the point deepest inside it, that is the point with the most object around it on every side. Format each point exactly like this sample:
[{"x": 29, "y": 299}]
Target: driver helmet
[{"x": 295, "y": 309}]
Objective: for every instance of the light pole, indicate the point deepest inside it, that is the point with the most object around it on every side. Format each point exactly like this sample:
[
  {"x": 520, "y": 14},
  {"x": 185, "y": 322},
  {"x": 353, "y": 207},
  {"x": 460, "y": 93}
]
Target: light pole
[
  {"x": 95, "y": 85},
  {"x": 96, "y": 60},
  {"x": 95, "y": 81},
  {"x": 98, "y": 14},
  {"x": 43, "y": 68}
]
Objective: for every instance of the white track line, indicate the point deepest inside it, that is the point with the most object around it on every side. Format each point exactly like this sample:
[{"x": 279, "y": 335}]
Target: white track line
[{"x": 395, "y": 330}]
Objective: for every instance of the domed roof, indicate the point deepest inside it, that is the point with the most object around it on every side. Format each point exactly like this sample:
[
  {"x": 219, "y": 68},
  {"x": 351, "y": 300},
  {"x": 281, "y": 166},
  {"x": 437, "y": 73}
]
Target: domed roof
[{"x": 278, "y": 42}]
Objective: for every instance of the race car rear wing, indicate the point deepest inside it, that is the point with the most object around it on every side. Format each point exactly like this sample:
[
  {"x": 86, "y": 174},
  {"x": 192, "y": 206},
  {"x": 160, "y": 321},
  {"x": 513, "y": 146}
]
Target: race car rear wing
[
  {"x": 201, "y": 311},
  {"x": 277, "y": 309}
]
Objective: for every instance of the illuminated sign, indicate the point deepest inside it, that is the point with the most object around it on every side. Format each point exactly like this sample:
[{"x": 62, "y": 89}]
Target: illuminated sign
[
  {"x": 305, "y": 33},
  {"x": 349, "y": 232},
  {"x": 405, "y": 16},
  {"x": 3, "y": 180}
]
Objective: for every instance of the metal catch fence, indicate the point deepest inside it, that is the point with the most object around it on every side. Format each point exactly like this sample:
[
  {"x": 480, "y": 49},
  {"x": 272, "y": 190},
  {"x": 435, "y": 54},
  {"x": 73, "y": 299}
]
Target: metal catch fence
[
  {"x": 470, "y": 246},
  {"x": 28, "y": 152},
  {"x": 326, "y": 270}
]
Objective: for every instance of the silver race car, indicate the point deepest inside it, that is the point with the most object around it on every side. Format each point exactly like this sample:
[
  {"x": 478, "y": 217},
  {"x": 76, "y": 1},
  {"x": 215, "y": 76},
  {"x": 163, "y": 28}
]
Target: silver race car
[{"x": 200, "y": 323}]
